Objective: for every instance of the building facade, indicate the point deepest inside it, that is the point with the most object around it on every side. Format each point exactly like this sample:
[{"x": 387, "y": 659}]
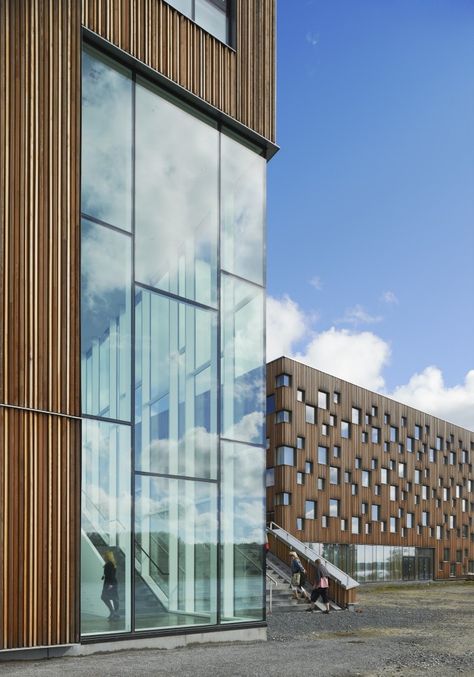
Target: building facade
[
  {"x": 134, "y": 137},
  {"x": 382, "y": 490}
]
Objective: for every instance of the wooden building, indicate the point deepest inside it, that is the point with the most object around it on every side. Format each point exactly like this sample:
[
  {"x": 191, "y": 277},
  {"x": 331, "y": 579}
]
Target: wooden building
[
  {"x": 214, "y": 63},
  {"x": 382, "y": 490}
]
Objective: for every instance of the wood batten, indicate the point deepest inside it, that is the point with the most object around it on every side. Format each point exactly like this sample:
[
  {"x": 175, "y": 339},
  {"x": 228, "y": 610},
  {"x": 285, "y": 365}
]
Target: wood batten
[
  {"x": 239, "y": 82},
  {"x": 39, "y": 176},
  {"x": 39, "y": 507}
]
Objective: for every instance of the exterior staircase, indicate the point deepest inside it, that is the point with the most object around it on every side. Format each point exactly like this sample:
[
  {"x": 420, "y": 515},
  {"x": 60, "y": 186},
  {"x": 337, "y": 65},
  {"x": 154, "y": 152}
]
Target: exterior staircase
[{"x": 279, "y": 593}]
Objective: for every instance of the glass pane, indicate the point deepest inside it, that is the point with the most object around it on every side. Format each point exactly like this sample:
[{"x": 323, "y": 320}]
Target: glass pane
[
  {"x": 106, "y": 140},
  {"x": 242, "y": 519},
  {"x": 243, "y": 210},
  {"x": 176, "y": 199},
  {"x": 175, "y": 552},
  {"x": 105, "y": 528},
  {"x": 212, "y": 19},
  {"x": 184, "y": 6},
  {"x": 243, "y": 370},
  {"x": 176, "y": 387},
  {"x": 105, "y": 321}
]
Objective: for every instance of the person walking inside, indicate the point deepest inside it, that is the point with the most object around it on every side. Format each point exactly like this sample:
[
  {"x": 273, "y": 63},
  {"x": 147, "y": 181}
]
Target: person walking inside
[
  {"x": 110, "y": 590},
  {"x": 321, "y": 586},
  {"x": 297, "y": 571}
]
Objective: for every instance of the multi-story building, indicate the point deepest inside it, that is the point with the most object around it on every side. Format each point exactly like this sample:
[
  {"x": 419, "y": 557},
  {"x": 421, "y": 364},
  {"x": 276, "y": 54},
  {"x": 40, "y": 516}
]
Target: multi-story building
[
  {"x": 134, "y": 136},
  {"x": 380, "y": 489}
]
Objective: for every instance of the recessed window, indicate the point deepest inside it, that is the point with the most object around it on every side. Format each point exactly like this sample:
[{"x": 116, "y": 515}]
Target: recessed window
[
  {"x": 300, "y": 395},
  {"x": 409, "y": 520},
  {"x": 332, "y": 420},
  {"x": 393, "y": 525},
  {"x": 403, "y": 422},
  {"x": 347, "y": 477},
  {"x": 283, "y": 498},
  {"x": 357, "y": 462},
  {"x": 375, "y": 512},
  {"x": 285, "y": 456},
  {"x": 321, "y": 483},
  {"x": 333, "y": 475},
  {"x": 383, "y": 475},
  {"x": 283, "y": 416},
  {"x": 334, "y": 507},
  {"x": 355, "y": 525},
  {"x": 270, "y": 404},
  {"x": 354, "y": 489},
  {"x": 300, "y": 442},
  {"x": 336, "y": 452},
  {"x": 283, "y": 380},
  {"x": 323, "y": 399},
  {"x": 324, "y": 429},
  {"x": 356, "y": 415},
  {"x": 345, "y": 430},
  {"x": 375, "y": 435},
  {"x": 393, "y": 492},
  {"x": 363, "y": 508},
  {"x": 374, "y": 464},
  {"x": 308, "y": 467},
  {"x": 322, "y": 455},
  {"x": 386, "y": 446},
  {"x": 299, "y": 478},
  {"x": 409, "y": 444},
  {"x": 377, "y": 489},
  {"x": 402, "y": 469},
  {"x": 365, "y": 478},
  {"x": 425, "y": 518},
  {"x": 310, "y": 414},
  {"x": 299, "y": 524},
  {"x": 364, "y": 436},
  {"x": 310, "y": 510},
  {"x": 367, "y": 419},
  {"x": 417, "y": 434},
  {"x": 324, "y": 521},
  {"x": 343, "y": 525},
  {"x": 393, "y": 434},
  {"x": 374, "y": 411},
  {"x": 417, "y": 476},
  {"x": 336, "y": 397},
  {"x": 270, "y": 477}
]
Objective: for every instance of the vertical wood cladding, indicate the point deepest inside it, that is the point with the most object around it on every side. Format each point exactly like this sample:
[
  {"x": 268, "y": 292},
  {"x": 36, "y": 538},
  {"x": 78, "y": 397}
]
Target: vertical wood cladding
[
  {"x": 39, "y": 325},
  {"x": 39, "y": 501},
  {"x": 39, "y": 178},
  {"x": 239, "y": 82},
  {"x": 435, "y": 476}
]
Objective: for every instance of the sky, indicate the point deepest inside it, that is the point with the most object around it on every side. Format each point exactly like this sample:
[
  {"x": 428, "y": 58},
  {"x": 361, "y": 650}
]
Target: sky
[{"x": 371, "y": 198}]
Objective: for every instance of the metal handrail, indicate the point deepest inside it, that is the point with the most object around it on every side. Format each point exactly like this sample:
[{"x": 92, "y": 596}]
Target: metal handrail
[
  {"x": 274, "y": 583},
  {"x": 337, "y": 574}
]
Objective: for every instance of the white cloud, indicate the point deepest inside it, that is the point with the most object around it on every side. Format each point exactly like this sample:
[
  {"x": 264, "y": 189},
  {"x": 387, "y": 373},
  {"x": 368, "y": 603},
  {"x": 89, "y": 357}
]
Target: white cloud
[
  {"x": 312, "y": 38},
  {"x": 286, "y": 325},
  {"x": 358, "y": 315},
  {"x": 389, "y": 297},
  {"x": 316, "y": 282},
  {"x": 428, "y": 392},
  {"x": 358, "y": 357}
]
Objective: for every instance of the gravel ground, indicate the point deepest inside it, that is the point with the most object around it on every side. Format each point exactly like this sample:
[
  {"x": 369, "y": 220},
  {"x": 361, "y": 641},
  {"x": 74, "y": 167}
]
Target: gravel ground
[{"x": 398, "y": 631}]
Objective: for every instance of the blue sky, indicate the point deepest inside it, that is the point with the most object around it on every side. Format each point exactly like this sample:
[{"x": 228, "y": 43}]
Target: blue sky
[{"x": 370, "y": 199}]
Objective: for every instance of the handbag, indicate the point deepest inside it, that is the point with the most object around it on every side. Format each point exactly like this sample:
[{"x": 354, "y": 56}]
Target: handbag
[
  {"x": 324, "y": 583},
  {"x": 295, "y": 579}
]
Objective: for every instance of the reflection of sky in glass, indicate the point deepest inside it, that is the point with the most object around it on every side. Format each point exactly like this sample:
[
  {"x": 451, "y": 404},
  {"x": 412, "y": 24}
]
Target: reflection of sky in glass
[
  {"x": 176, "y": 348},
  {"x": 243, "y": 395},
  {"x": 106, "y": 140},
  {"x": 105, "y": 321},
  {"x": 176, "y": 199},
  {"x": 243, "y": 196}
]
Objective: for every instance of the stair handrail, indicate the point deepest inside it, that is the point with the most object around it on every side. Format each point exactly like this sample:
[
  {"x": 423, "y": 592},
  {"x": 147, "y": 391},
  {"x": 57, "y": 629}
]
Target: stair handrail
[
  {"x": 337, "y": 574},
  {"x": 274, "y": 583}
]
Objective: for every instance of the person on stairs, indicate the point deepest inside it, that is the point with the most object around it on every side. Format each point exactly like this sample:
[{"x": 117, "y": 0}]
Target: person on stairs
[
  {"x": 297, "y": 571},
  {"x": 320, "y": 587}
]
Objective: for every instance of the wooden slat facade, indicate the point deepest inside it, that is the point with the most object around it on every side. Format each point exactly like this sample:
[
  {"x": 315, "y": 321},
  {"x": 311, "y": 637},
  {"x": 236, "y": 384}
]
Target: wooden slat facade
[
  {"x": 240, "y": 82},
  {"x": 39, "y": 558},
  {"x": 40, "y": 106},
  {"x": 436, "y": 476}
]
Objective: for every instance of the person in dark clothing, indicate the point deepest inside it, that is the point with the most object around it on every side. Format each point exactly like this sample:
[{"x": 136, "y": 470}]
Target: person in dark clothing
[
  {"x": 320, "y": 587},
  {"x": 110, "y": 589}
]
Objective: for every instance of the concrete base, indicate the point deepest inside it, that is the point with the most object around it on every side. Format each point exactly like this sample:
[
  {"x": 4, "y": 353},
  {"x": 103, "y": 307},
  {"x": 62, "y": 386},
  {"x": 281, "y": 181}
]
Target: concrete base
[{"x": 160, "y": 643}]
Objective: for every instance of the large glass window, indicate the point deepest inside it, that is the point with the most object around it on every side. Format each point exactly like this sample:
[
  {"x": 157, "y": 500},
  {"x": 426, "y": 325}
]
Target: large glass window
[
  {"x": 106, "y": 192},
  {"x": 105, "y": 528},
  {"x": 175, "y": 387},
  {"x": 242, "y": 532},
  {"x": 176, "y": 198},
  {"x": 175, "y": 552},
  {"x": 243, "y": 208},
  {"x": 105, "y": 321},
  {"x": 243, "y": 371}
]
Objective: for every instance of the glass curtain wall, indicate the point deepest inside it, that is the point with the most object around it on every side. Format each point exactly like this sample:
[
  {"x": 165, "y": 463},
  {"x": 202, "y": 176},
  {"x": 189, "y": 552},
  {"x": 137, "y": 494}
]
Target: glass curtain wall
[{"x": 172, "y": 356}]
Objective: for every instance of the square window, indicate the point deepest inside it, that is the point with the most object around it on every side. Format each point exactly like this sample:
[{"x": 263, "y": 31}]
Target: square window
[
  {"x": 283, "y": 380},
  {"x": 283, "y": 416},
  {"x": 285, "y": 456}
]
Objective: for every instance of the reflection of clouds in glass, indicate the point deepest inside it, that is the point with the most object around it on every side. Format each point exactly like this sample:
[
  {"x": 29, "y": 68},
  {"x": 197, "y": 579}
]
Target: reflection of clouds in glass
[
  {"x": 249, "y": 428},
  {"x": 106, "y": 140},
  {"x": 176, "y": 198},
  {"x": 243, "y": 187},
  {"x": 197, "y": 452}
]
